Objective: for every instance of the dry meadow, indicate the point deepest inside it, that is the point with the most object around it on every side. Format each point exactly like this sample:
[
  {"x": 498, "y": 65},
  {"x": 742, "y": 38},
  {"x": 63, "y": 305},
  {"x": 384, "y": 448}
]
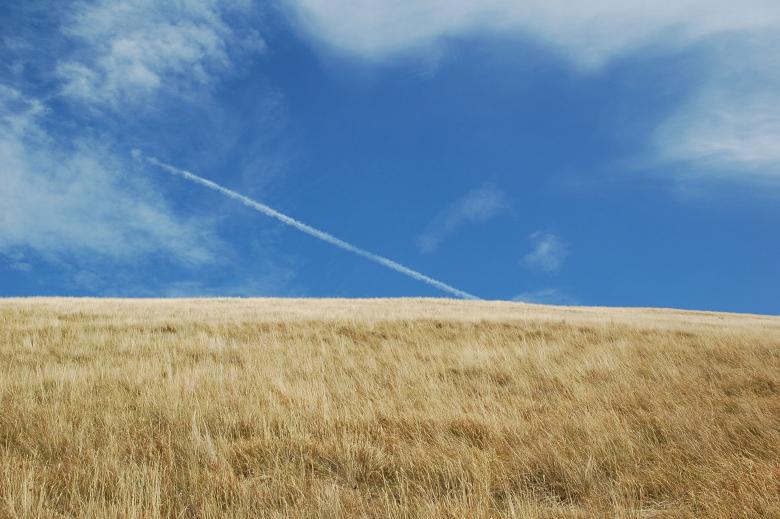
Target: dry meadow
[{"x": 391, "y": 408}]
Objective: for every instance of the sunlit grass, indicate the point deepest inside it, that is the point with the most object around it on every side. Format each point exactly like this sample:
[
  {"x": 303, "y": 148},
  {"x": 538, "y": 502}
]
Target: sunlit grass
[{"x": 399, "y": 408}]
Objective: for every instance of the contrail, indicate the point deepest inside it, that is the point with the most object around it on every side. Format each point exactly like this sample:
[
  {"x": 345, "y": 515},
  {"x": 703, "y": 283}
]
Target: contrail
[{"x": 311, "y": 231}]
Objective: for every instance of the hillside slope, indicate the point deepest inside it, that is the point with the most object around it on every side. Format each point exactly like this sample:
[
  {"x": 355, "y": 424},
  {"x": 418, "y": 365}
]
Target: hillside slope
[{"x": 376, "y": 408}]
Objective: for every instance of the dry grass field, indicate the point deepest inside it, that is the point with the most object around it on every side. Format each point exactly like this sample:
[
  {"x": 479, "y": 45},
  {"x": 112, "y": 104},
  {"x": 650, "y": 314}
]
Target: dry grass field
[{"x": 393, "y": 408}]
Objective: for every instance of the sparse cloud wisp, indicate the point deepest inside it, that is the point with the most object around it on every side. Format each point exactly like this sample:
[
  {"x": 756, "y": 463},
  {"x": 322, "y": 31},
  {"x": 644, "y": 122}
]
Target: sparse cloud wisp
[
  {"x": 477, "y": 206},
  {"x": 548, "y": 253},
  {"x": 125, "y": 52},
  {"x": 546, "y": 296}
]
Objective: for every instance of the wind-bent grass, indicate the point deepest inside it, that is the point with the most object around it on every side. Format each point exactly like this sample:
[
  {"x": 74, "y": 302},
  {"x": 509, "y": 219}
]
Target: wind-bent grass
[{"x": 398, "y": 408}]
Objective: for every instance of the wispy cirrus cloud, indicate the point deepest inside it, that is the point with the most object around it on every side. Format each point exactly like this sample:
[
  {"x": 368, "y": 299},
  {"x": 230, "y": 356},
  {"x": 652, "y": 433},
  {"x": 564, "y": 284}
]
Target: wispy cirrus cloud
[
  {"x": 477, "y": 206},
  {"x": 65, "y": 192},
  {"x": 275, "y": 282},
  {"x": 590, "y": 33},
  {"x": 546, "y": 296},
  {"x": 128, "y": 51},
  {"x": 731, "y": 125},
  {"x": 548, "y": 254},
  {"x": 15, "y": 260},
  {"x": 728, "y": 126},
  {"x": 58, "y": 199},
  {"x": 268, "y": 278}
]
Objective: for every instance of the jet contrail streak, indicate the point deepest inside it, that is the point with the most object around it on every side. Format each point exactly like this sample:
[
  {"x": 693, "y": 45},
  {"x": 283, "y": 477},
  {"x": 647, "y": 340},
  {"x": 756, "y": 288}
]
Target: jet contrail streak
[{"x": 311, "y": 231}]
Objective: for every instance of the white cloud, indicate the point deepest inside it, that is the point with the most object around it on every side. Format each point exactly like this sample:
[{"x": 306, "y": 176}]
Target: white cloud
[
  {"x": 275, "y": 281},
  {"x": 21, "y": 266},
  {"x": 547, "y": 296},
  {"x": 129, "y": 50},
  {"x": 76, "y": 202},
  {"x": 15, "y": 260},
  {"x": 729, "y": 126},
  {"x": 267, "y": 279},
  {"x": 71, "y": 195},
  {"x": 589, "y": 32},
  {"x": 77, "y": 199},
  {"x": 548, "y": 253},
  {"x": 476, "y": 206},
  {"x": 733, "y": 122}
]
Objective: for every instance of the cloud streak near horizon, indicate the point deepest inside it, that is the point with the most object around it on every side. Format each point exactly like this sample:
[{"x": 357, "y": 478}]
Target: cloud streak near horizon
[{"x": 307, "y": 229}]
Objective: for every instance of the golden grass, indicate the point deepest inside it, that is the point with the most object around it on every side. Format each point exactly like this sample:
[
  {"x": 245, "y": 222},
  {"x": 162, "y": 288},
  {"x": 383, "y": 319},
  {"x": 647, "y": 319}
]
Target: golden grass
[{"x": 399, "y": 408}]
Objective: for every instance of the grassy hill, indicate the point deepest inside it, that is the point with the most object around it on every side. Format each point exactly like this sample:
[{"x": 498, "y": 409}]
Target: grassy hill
[{"x": 376, "y": 408}]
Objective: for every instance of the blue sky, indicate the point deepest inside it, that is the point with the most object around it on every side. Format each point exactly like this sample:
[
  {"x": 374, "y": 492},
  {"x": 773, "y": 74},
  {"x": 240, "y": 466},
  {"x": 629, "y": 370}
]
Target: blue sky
[{"x": 609, "y": 153}]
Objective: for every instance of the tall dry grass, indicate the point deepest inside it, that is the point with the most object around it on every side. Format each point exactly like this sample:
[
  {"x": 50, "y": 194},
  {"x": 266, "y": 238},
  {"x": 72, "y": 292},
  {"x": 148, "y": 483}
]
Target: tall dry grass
[{"x": 405, "y": 408}]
